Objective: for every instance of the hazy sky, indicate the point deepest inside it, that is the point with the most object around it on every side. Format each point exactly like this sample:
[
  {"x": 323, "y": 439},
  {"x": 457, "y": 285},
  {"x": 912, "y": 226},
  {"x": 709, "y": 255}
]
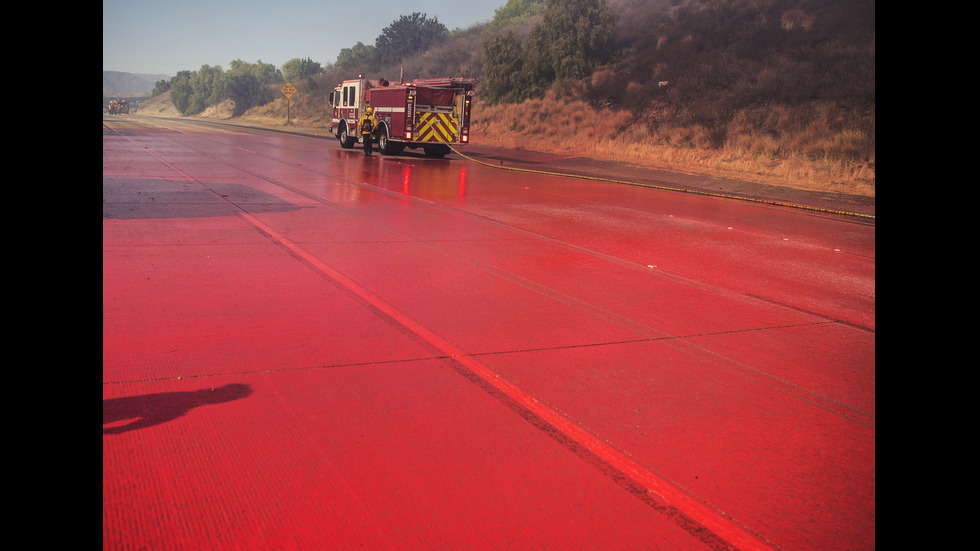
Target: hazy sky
[{"x": 163, "y": 37}]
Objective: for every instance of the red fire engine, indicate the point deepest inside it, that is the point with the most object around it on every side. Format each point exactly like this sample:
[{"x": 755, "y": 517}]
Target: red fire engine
[{"x": 427, "y": 113}]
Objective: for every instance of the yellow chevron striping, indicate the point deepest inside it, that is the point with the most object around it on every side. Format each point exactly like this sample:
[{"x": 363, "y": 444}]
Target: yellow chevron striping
[{"x": 437, "y": 127}]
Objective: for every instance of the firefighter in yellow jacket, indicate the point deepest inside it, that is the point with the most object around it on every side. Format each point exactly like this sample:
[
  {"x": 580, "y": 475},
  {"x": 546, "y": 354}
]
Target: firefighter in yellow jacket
[{"x": 368, "y": 125}]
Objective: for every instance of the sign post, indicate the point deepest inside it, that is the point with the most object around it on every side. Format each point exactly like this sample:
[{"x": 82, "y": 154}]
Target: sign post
[{"x": 288, "y": 90}]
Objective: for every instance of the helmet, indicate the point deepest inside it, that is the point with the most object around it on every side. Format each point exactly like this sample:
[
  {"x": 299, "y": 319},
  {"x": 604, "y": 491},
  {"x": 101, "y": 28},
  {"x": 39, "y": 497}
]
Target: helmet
[{"x": 369, "y": 111}]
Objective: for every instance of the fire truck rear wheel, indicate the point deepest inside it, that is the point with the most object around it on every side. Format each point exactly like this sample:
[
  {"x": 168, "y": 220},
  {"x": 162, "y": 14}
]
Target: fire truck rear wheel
[
  {"x": 436, "y": 151},
  {"x": 384, "y": 145}
]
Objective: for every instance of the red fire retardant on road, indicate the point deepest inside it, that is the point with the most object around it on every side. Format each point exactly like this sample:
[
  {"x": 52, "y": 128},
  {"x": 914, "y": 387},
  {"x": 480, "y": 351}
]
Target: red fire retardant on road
[{"x": 304, "y": 348}]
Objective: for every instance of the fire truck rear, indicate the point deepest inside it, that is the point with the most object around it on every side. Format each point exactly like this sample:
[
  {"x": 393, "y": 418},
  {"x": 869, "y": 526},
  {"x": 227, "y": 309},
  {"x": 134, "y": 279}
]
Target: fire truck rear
[{"x": 429, "y": 113}]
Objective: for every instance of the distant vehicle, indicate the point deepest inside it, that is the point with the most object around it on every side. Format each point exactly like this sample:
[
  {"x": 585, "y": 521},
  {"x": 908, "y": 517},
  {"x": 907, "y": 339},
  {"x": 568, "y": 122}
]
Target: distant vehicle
[
  {"x": 118, "y": 107},
  {"x": 429, "y": 113}
]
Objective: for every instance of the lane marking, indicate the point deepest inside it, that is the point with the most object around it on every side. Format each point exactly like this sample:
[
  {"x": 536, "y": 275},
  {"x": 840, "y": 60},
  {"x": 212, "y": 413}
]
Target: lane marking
[{"x": 711, "y": 519}]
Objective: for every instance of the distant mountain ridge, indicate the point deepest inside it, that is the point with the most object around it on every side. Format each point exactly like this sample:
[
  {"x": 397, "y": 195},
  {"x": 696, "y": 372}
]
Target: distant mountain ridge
[{"x": 115, "y": 83}]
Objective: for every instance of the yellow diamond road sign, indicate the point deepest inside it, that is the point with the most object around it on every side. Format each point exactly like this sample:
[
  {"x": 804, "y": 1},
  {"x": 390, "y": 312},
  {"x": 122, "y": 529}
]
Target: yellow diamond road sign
[{"x": 288, "y": 90}]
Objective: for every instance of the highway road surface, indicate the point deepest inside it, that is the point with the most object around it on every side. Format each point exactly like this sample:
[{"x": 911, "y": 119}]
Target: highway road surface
[{"x": 307, "y": 348}]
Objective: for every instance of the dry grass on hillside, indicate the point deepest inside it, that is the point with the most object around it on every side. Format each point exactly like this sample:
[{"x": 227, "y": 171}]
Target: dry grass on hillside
[{"x": 582, "y": 130}]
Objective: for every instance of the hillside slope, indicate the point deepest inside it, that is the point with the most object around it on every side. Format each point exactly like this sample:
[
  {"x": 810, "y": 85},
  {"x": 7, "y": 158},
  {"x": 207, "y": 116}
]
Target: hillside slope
[
  {"x": 773, "y": 91},
  {"x": 116, "y": 84}
]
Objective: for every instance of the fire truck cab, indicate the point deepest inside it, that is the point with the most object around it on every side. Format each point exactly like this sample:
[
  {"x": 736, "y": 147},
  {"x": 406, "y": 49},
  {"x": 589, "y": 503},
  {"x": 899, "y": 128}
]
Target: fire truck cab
[{"x": 433, "y": 114}]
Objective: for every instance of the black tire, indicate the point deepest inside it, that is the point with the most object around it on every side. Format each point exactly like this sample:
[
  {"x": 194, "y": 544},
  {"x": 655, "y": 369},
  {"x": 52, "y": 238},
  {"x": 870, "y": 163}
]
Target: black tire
[
  {"x": 346, "y": 140},
  {"x": 384, "y": 146},
  {"x": 436, "y": 151}
]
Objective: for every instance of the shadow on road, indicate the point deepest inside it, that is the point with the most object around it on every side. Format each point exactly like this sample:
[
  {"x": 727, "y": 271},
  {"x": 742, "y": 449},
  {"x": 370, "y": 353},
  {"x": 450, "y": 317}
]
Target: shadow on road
[{"x": 154, "y": 409}]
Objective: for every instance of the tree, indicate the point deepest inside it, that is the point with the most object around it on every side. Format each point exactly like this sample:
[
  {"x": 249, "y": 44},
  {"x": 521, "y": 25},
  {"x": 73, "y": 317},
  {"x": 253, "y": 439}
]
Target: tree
[
  {"x": 248, "y": 84},
  {"x": 514, "y": 11},
  {"x": 574, "y": 36},
  {"x": 244, "y": 89},
  {"x": 160, "y": 87},
  {"x": 296, "y": 69},
  {"x": 207, "y": 88},
  {"x": 502, "y": 67},
  {"x": 264, "y": 73},
  {"x": 407, "y": 36},
  {"x": 180, "y": 91},
  {"x": 357, "y": 57}
]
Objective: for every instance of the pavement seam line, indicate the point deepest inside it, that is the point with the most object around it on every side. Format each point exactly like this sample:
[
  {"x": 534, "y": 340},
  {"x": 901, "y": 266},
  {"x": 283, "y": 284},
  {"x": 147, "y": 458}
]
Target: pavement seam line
[{"x": 713, "y": 520}]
